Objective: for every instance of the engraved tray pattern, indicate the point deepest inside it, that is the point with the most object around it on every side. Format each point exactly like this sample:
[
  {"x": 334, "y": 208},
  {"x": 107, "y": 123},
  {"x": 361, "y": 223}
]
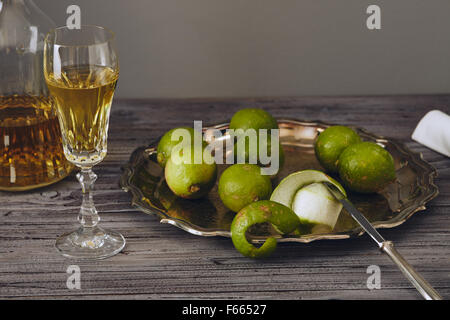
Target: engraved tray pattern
[{"x": 144, "y": 179}]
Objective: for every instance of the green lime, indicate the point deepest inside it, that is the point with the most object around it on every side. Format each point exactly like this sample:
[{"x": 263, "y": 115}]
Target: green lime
[
  {"x": 330, "y": 144},
  {"x": 252, "y": 118},
  {"x": 242, "y": 184},
  {"x": 166, "y": 143},
  {"x": 188, "y": 179},
  {"x": 366, "y": 167},
  {"x": 280, "y": 217}
]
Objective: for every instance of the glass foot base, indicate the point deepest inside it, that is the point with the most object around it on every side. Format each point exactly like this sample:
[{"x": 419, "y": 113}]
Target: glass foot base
[{"x": 90, "y": 243}]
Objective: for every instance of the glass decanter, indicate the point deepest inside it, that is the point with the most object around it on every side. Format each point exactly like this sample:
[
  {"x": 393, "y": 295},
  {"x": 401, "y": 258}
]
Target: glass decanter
[{"x": 31, "y": 152}]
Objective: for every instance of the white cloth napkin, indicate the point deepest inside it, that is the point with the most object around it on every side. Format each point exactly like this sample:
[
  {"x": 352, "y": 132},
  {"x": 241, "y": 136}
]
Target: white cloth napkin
[{"x": 433, "y": 131}]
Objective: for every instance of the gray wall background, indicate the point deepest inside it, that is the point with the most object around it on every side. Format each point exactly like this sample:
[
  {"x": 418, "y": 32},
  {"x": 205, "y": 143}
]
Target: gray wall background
[{"x": 249, "y": 48}]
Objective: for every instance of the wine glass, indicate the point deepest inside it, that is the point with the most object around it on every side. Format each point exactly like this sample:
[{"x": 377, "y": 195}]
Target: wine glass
[{"x": 81, "y": 69}]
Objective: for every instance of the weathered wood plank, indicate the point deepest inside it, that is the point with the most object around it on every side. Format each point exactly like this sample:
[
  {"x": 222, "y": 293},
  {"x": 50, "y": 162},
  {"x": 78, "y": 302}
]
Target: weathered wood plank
[{"x": 161, "y": 261}]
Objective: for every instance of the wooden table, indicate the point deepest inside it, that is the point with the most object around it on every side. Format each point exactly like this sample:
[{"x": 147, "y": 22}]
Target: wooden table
[{"x": 161, "y": 261}]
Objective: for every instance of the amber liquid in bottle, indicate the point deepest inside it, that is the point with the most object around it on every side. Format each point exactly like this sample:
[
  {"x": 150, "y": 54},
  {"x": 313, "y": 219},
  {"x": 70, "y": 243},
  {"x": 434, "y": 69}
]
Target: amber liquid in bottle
[{"x": 30, "y": 144}]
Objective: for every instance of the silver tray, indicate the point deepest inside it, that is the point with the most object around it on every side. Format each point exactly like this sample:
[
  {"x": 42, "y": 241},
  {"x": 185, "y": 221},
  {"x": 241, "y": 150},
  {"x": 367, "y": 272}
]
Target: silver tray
[{"x": 414, "y": 187}]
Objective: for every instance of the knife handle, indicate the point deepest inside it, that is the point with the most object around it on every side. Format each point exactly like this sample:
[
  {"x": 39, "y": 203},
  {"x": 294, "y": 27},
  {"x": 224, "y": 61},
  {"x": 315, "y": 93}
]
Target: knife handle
[{"x": 425, "y": 289}]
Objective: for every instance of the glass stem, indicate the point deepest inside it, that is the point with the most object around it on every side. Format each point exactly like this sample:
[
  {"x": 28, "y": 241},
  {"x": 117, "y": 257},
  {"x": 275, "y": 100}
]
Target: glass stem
[{"x": 88, "y": 216}]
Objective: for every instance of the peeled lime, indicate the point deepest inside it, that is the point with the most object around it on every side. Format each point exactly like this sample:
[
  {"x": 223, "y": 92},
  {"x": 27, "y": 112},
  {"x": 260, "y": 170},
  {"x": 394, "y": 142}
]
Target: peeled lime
[
  {"x": 316, "y": 206},
  {"x": 306, "y": 195}
]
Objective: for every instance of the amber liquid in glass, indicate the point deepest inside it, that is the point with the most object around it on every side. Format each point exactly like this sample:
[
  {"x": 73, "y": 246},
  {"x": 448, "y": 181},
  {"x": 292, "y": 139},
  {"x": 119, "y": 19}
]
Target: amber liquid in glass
[
  {"x": 30, "y": 144},
  {"x": 83, "y": 97}
]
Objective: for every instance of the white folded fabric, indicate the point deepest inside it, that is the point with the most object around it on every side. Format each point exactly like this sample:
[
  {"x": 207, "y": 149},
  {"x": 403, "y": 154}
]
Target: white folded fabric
[{"x": 433, "y": 131}]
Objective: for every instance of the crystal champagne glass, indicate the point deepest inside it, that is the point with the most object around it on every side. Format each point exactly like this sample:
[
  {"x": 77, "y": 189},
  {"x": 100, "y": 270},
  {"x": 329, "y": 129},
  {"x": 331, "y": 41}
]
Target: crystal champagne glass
[{"x": 81, "y": 69}]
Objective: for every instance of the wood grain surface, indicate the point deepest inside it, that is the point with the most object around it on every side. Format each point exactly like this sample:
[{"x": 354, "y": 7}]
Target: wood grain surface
[{"x": 164, "y": 262}]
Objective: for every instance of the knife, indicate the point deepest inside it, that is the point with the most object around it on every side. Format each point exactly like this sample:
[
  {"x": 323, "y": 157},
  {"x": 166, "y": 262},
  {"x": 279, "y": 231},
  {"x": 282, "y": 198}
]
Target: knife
[{"x": 425, "y": 289}]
